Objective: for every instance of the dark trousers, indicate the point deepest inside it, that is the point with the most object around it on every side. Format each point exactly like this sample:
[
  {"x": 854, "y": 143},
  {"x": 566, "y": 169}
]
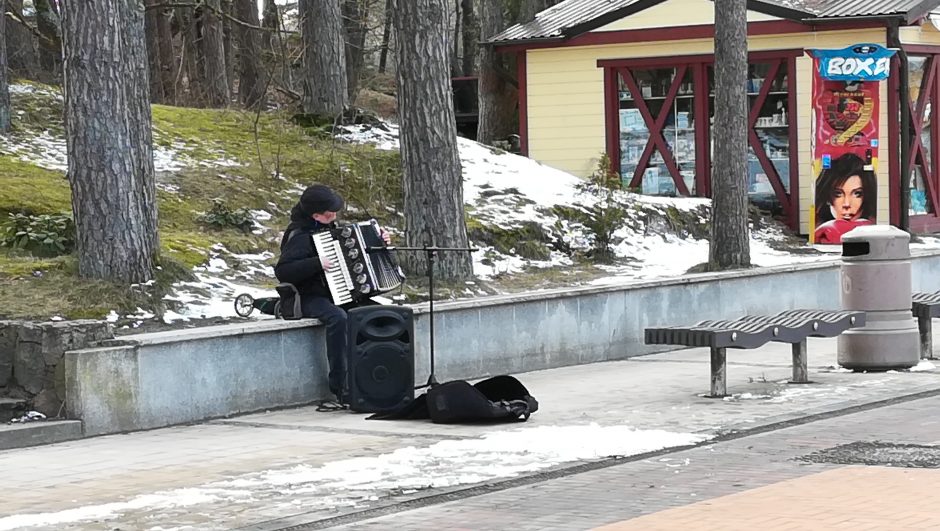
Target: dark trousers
[{"x": 334, "y": 317}]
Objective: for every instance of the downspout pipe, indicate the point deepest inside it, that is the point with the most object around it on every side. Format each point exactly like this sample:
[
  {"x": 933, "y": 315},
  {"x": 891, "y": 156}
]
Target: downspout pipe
[{"x": 904, "y": 102}]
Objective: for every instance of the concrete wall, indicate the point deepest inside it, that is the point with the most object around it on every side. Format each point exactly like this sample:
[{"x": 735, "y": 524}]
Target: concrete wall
[{"x": 154, "y": 380}]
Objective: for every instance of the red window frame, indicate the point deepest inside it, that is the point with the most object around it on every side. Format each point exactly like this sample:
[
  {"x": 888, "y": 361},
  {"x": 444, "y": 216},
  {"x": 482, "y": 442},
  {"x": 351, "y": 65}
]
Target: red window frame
[
  {"x": 929, "y": 94},
  {"x": 621, "y": 68}
]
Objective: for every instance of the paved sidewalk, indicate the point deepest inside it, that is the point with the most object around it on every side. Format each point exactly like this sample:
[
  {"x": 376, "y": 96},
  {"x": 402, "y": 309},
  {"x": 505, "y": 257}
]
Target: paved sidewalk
[
  {"x": 752, "y": 483},
  {"x": 292, "y": 466},
  {"x": 857, "y": 498}
]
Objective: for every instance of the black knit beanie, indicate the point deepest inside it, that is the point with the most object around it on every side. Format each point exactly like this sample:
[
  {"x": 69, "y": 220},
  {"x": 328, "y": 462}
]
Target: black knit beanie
[{"x": 319, "y": 198}]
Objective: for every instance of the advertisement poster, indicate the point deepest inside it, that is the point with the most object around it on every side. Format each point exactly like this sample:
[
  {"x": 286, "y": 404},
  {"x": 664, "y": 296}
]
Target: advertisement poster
[{"x": 845, "y": 138}]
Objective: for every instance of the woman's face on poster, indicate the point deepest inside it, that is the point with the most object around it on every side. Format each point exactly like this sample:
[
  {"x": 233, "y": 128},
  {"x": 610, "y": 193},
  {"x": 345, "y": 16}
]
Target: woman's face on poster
[{"x": 847, "y": 199}]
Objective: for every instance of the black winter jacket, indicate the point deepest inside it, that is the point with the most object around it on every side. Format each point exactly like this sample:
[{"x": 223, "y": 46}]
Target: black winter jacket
[{"x": 299, "y": 263}]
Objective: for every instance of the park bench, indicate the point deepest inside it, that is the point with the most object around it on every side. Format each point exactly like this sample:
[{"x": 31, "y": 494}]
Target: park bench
[
  {"x": 925, "y": 307},
  {"x": 753, "y": 331}
]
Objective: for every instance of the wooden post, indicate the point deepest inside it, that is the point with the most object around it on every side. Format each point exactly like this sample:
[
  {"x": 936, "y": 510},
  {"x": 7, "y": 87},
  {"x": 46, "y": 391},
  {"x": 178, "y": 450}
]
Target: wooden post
[
  {"x": 719, "y": 373},
  {"x": 924, "y": 322},
  {"x": 799, "y": 363}
]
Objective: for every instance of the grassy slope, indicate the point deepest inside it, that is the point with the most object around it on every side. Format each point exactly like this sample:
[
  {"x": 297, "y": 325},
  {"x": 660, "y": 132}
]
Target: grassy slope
[{"x": 35, "y": 288}]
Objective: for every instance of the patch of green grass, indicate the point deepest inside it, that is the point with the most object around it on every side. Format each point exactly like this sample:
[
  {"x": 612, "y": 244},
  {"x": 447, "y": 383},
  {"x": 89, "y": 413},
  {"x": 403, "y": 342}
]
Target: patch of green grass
[
  {"x": 35, "y": 112},
  {"x": 274, "y": 162},
  {"x": 30, "y": 189},
  {"x": 526, "y": 240}
]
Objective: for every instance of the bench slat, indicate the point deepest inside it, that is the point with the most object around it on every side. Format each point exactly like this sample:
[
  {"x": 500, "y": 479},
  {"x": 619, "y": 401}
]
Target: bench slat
[{"x": 752, "y": 331}]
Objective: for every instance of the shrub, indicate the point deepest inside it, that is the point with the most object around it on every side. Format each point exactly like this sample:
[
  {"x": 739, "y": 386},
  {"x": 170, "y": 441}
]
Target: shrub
[
  {"x": 220, "y": 216},
  {"x": 42, "y": 235},
  {"x": 605, "y": 216}
]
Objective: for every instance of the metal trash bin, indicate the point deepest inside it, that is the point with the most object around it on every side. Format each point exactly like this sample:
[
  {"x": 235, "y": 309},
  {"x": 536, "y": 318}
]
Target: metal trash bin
[{"x": 876, "y": 279}]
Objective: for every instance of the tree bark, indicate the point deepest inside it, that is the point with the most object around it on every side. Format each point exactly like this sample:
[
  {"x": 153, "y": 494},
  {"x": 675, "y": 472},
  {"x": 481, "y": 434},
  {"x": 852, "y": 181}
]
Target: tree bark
[
  {"x": 153, "y": 52},
  {"x": 325, "y": 90},
  {"x": 250, "y": 83},
  {"x": 21, "y": 51},
  {"x": 386, "y": 36},
  {"x": 50, "y": 45},
  {"x": 497, "y": 98},
  {"x": 229, "y": 44},
  {"x": 269, "y": 20},
  {"x": 455, "y": 42},
  {"x": 189, "y": 21},
  {"x": 730, "y": 245},
  {"x": 471, "y": 36},
  {"x": 168, "y": 64},
  {"x": 109, "y": 144},
  {"x": 355, "y": 19},
  {"x": 4, "y": 82},
  {"x": 432, "y": 183},
  {"x": 213, "y": 50}
]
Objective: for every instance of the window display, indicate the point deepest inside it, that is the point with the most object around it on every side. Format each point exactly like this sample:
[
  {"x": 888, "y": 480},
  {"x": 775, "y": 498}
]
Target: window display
[{"x": 664, "y": 134}]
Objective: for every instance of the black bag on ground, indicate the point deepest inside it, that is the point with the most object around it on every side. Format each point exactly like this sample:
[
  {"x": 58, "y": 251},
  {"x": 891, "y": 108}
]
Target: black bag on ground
[
  {"x": 288, "y": 306},
  {"x": 497, "y": 399}
]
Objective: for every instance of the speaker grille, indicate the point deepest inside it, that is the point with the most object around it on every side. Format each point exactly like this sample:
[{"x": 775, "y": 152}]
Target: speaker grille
[
  {"x": 381, "y": 373},
  {"x": 381, "y": 358}
]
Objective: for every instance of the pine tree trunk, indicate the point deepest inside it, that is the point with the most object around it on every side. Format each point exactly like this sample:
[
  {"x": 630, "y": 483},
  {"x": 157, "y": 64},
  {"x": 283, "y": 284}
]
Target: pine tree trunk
[
  {"x": 21, "y": 51},
  {"x": 229, "y": 44},
  {"x": 497, "y": 98},
  {"x": 274, "y": 47},
  {"x": 168, "y": 63},
  {"x": 471, "y": 36},
  {"x": 153, "y": 53},
  {"x": 269, "y": 20},
  {"x": 455, "y": 41},
  {"x": 250, "y": 84},
  {"x": 432, "y": 183},
  {"x": 213, "y": 50},
  {"x": 325, "y": 90},
  {"x": 50, "y": 45},
  {"x": 386, "y": 36},
  {"x": 109, "y": 144},
  {"x": 730, "y": 244},
  {"x": 189, "y": 20},
  {"x": 4, "y": 82},
  {"x": 355, "y": 18}
]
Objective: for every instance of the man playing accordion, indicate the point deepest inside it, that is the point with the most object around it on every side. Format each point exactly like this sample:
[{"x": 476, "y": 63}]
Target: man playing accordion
[{"x": 301, "y": 265}]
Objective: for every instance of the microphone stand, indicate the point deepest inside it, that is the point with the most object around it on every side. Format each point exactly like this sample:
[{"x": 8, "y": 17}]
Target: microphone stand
[{"x": 431, "y": 255}]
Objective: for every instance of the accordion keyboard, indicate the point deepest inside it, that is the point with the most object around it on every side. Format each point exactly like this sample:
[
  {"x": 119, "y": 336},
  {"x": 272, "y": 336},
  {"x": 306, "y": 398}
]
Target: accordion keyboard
[{"x": 337, "y": 277}]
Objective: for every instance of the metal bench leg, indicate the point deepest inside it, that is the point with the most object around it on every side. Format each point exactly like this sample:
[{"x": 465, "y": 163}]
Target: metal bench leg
[
  {"x": 926, "y": 337},
  {"x": 800, "y": 374},
  {"x": 719, "y": 373}
]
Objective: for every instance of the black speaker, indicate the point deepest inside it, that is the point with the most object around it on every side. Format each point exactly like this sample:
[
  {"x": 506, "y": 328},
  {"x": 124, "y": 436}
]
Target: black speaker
[{"x": 380, "y": 358}]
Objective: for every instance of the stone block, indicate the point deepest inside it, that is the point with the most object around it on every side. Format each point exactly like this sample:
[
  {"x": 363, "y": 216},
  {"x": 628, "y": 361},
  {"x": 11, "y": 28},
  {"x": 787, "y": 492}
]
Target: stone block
[
  {"x": 29, "y": 368},
  {"x": 7, "y": 346},
  {"x": 56, "y": 339}
]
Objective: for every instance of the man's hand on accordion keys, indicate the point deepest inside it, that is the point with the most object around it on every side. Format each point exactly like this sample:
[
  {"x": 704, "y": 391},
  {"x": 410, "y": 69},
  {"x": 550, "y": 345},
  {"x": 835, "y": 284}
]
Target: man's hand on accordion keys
[{"x": 326, "y": 263}]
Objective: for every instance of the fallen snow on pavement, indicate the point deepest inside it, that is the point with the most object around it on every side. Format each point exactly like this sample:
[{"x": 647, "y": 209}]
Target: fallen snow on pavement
[{"x": 358, "y": 481}]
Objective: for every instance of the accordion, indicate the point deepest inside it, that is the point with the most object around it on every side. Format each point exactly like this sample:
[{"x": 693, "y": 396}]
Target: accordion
[{"x": 360, "y": 270}]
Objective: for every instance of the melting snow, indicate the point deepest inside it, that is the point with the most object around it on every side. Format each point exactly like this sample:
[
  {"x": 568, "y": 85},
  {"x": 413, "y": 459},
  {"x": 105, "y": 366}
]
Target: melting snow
[{"x": 353, "y": 481}]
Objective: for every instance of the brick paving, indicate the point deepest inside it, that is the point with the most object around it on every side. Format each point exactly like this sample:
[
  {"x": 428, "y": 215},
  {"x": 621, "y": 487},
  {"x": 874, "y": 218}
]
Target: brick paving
[
  {"x": 755, "y": 478},
  {"x": 653, "y": 392},
  {"x": 857, "y": 498}
]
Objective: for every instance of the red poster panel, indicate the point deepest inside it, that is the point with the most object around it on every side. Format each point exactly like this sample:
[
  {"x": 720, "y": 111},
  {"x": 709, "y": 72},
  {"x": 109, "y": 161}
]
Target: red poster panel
[{"x": 845, "y": 155}]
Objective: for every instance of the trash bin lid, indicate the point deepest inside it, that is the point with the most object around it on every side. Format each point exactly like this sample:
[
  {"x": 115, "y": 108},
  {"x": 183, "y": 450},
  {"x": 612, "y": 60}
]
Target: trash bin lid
[{"x": 875, "y": 242}]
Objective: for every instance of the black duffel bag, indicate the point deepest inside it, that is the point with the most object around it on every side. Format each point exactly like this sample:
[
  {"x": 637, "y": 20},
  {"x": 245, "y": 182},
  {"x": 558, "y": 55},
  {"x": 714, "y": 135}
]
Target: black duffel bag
[{"x": 497, "y": 399}]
